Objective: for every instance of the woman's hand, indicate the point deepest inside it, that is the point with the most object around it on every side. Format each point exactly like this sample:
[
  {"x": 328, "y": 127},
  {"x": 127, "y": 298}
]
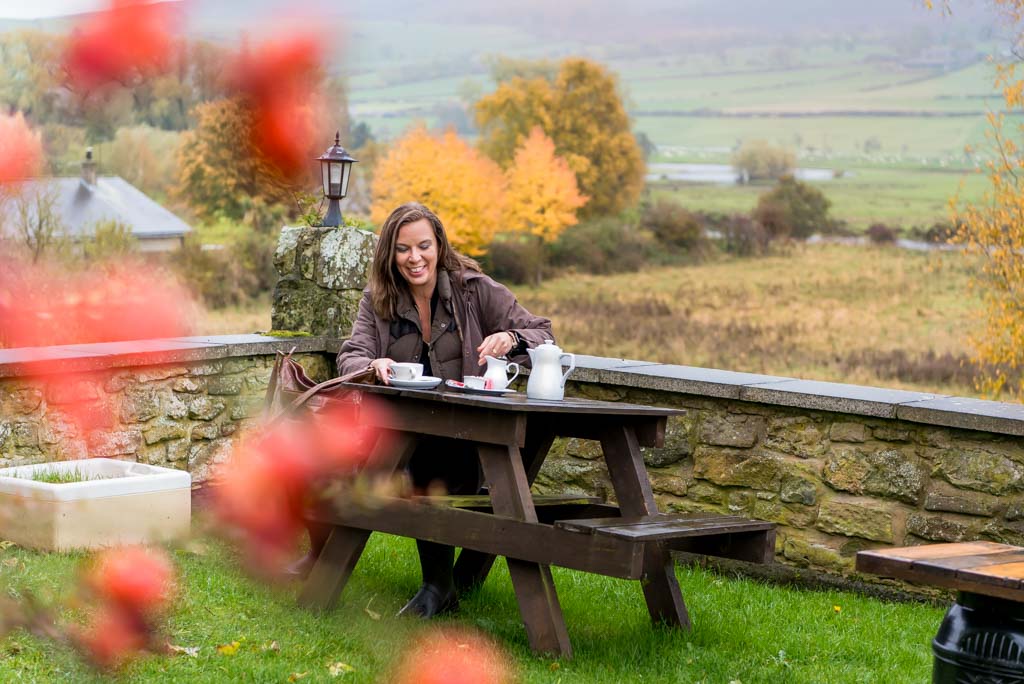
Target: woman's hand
[
  {"x": 383, "y": 369},
  {"x": 497, "y": 345}
]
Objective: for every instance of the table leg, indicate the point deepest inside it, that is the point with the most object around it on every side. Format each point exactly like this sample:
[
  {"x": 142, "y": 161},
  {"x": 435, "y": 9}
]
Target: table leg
[
  {"x": 633, "y": 490},
  {"x": 472, "y": 567},
  {"x": 345, "y": 545},
  {"x": 533, "y": 584}
]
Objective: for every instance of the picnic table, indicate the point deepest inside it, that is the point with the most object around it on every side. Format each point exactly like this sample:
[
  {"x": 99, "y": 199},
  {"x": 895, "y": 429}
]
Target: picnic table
[
  {"x": 981, "y": 639},
  {"x": 512, "y": 435}
]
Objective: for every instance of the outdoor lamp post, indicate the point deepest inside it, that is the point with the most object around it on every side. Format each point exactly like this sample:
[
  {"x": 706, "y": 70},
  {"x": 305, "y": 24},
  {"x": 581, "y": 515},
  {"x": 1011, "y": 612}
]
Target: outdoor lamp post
[{"x": 335, "y": 167}]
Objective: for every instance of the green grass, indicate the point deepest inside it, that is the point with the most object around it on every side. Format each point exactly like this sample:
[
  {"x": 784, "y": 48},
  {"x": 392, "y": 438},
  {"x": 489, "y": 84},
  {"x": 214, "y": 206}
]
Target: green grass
[
  {"x": 53, "y": 476},
  {"x": 743, "y": 630}
]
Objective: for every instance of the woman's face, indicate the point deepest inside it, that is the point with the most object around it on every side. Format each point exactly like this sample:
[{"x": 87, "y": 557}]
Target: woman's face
[{"x": 416, "y": 254}]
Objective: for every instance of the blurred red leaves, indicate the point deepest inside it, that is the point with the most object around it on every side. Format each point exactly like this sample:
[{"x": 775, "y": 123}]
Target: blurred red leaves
[
  {"x": 279, "y": 80},
  {"x": 264, "y": 489},
  {"x": 128, "y": 40},
  {"x": 46, "y": 304},
  {"x": 133, "y": 578},
  {"x": 21, "y": 149},
  {"x": 451, "y": 656},
  {"x": 132, "y": 587}
]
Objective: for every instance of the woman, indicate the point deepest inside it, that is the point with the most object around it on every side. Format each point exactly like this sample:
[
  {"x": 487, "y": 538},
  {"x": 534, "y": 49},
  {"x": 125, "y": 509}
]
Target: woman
[{"x": 428, "y": 304}]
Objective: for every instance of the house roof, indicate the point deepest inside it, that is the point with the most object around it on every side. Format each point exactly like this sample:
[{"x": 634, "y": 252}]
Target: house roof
[{"x": 81, "y": 206}]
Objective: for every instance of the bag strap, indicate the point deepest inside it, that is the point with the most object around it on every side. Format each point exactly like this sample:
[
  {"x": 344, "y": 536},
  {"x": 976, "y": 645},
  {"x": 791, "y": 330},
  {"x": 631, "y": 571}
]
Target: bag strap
[{"x": 275, "y": 378}]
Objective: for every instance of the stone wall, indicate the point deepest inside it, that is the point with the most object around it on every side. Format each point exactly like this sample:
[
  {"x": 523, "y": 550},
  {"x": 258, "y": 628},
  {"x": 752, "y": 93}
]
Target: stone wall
[
  {"x": 321, "y": 276},
  {"x": 181, "y": 408},
  {"x": 840, "y": 468}
]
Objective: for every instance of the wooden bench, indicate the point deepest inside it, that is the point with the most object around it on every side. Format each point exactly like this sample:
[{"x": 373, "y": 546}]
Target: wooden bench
[{"x": 981, "y": 638}]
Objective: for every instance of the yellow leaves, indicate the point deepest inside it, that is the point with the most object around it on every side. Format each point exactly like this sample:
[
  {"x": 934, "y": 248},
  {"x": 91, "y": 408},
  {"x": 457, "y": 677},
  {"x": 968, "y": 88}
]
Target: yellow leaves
[
  {"x": 464, "y": 188},
  {"x": 339, "y": 668},
  {"x": 542, "y": 196},
  {"x": 296, "y": 676},
  {"x": 229, "y": 649},
  {"x": 582, "y": 112},
  {"x": 837, "y": 609}
]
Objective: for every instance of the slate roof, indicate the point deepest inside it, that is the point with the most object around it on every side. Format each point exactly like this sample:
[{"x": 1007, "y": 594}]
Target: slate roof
[{"x": 81, "y": 206}]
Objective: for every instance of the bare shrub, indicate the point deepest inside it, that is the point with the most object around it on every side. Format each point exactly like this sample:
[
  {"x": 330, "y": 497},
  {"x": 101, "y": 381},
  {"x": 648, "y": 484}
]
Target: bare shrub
[
  {"x": 881, "y": 234},
  {"x": 745, "y": 237},
  {"x": 760, "y": 160}
]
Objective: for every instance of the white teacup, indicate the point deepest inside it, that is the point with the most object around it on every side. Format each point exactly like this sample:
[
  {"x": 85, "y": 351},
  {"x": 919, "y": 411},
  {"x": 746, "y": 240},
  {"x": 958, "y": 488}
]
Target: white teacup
[
  {"x": 406, "y": 371},
  {"x": 473, "y": 381}
]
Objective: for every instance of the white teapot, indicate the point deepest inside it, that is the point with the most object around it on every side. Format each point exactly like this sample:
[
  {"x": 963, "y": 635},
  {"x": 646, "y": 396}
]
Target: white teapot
[{"x": 546, "y": 378}]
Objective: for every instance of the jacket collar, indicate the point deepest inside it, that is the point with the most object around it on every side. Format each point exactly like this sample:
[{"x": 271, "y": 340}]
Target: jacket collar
[{"x": 406, "y": 307}]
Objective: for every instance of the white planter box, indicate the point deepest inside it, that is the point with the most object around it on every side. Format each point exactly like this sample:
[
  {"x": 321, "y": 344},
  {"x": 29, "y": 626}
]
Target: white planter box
[{"x": 136, "y": 503}]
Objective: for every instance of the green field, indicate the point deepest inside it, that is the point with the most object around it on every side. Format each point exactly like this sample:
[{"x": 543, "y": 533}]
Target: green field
[
  {"x": 864, "y": 103},
  {"x": 902, "y": 198}
]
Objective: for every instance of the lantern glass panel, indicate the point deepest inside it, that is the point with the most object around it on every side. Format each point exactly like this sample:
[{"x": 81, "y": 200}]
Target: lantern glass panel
[
  {"x": 335, "y": 178},
  {"x": 344, "y": 179},
  {"x": 324, "y": 172}
]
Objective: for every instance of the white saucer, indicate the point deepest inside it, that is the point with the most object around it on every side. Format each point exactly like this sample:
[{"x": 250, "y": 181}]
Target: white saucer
[
  {"x": 459, "y": 387},
  {"x": 424, "y": 383}
]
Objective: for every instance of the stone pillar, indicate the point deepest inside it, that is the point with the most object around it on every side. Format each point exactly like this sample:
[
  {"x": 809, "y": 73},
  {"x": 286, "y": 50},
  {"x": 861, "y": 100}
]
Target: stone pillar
[{"x": 321, "y": 276}]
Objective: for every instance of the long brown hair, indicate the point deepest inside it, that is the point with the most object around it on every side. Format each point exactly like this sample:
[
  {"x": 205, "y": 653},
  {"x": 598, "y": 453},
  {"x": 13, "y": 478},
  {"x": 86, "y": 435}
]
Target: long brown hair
[{"x": 386, "y": 283}]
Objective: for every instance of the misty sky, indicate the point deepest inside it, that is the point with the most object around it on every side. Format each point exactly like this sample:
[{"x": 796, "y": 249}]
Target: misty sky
[{"x": 21, "y": 9}]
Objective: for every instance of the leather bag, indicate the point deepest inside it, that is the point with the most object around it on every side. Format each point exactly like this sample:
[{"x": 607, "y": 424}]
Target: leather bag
[{"x": 291, "y": 389}]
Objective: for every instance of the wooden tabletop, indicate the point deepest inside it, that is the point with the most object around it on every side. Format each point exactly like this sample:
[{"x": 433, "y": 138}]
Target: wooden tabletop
[
  {"x": 520, "y": 403},
  {"x": 979, "y": 567}
]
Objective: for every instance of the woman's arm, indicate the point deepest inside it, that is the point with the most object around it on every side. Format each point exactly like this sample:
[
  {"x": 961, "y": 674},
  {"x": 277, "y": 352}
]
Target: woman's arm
[
  {"x": 362, "y": 347},
  {"x": 500, "y": 312}
]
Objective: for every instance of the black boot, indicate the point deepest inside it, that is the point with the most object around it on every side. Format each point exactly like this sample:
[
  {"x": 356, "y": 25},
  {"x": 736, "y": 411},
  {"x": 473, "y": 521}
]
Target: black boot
[{"x": 437, "y": 594}]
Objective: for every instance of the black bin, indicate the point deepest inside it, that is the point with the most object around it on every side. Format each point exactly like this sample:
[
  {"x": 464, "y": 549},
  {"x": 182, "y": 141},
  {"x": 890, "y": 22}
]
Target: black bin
[{"x": 980, "y": 641}]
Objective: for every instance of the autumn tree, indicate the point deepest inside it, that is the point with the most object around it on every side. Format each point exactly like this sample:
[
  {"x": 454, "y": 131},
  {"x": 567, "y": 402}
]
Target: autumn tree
[
  {"x": 760, "y": 160},
  {"x": 215, "y": 175},
  {"x": 581, "y": 110},
  {"x": 463, "y": 187},
  {"x": 542, "y": 196},
  {"x": 993, "y": 229}
]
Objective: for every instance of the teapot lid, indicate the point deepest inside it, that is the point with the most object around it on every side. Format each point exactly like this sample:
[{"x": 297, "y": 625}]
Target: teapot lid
[{"x": 549, "y": 344}]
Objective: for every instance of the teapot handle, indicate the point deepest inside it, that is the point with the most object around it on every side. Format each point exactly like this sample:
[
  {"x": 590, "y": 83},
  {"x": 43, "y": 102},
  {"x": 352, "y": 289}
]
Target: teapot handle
[{"x": 572, "y": 365}]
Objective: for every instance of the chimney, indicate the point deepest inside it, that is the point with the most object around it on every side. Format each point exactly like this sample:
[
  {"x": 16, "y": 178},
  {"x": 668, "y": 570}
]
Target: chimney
[{"x": 89, "y": 168}]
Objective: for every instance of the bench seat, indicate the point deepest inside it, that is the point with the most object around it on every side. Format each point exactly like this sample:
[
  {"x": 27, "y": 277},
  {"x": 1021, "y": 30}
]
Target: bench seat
[{"x": 726, "y": 536}]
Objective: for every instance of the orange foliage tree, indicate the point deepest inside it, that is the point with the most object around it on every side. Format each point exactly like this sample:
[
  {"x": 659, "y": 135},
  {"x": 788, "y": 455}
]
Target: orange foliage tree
[
  {"x": 581, "y": 110},
  {"x": 463, "y": 187},
  {"x": 542, "y": 195},
  {"x": 994, "y": 229}
]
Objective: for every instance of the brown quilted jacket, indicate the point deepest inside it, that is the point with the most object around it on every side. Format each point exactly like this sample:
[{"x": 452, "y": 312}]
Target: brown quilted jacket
[{"x": 470, "y": 308}]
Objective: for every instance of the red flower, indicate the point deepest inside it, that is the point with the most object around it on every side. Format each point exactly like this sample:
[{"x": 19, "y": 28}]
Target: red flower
[
  {"x": 453, "y": 657},
  {"x": 21, "y": 149},
  {"x": 136, "y": 579},
  {"x": 129, "y": 39}
]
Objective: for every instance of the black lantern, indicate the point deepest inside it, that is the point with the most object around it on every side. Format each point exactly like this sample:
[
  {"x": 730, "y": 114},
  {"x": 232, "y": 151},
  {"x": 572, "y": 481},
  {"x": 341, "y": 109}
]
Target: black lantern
[{"x": 335, "y": 167}]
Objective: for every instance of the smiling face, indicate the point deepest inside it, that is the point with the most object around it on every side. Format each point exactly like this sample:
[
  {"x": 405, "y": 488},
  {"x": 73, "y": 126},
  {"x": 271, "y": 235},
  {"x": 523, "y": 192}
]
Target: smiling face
[{"x": 416, "y": 255}]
